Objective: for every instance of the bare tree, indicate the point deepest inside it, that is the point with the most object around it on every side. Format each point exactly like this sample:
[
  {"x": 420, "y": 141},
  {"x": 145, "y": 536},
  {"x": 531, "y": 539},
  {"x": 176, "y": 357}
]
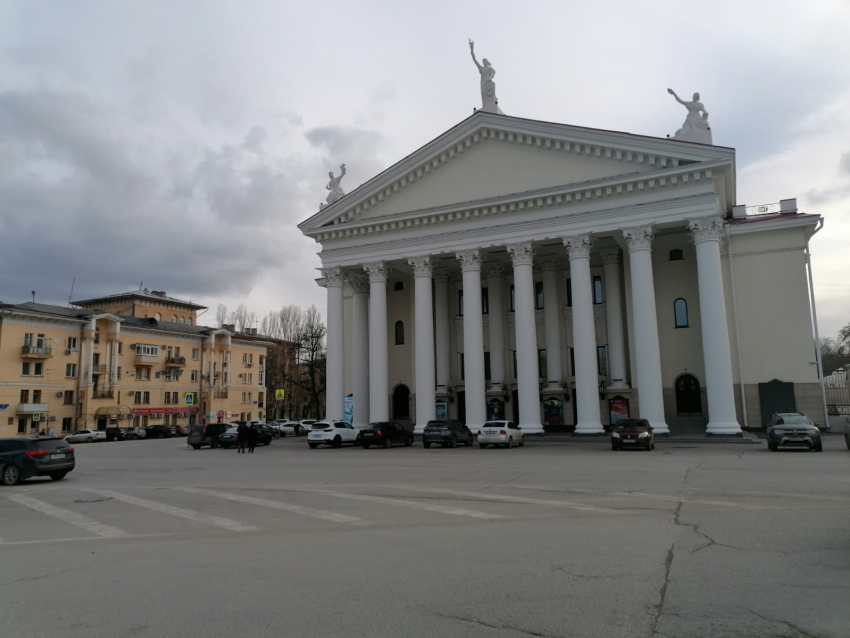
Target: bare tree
[
  {"x": 220, "y": 315},
  {"x": 243, "y": 318}
]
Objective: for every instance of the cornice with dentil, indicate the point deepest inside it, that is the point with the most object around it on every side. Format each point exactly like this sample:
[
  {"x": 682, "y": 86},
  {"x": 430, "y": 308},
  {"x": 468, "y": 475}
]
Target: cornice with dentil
[
  {"x": 421, "y": 266},
  {"x": 578, "y": 246},
  {"x": 469, "y": 259},
  {"x": 639, "y": 238},
  {"x": 706, "y": 228},
  {"x": 521, "y": 254}
]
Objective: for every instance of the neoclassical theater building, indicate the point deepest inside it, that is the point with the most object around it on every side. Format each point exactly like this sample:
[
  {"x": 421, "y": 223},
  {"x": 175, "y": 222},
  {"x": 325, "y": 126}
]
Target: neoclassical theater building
[{"x": 565, "y": 277}]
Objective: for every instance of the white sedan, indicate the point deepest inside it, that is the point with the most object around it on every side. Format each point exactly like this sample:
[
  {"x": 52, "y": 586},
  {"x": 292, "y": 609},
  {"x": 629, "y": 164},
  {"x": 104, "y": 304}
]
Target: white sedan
[
  {"x": 331, "y": 433},
  {"x": 505, "y": 433},
  {"x": 86, "y": 436}
]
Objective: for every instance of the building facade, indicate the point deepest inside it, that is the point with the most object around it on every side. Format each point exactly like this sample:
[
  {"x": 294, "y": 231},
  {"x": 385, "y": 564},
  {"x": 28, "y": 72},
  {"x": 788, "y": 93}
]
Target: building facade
[
  {"x": 565, "y": 277},
  {"x": 132, "y": 359}
]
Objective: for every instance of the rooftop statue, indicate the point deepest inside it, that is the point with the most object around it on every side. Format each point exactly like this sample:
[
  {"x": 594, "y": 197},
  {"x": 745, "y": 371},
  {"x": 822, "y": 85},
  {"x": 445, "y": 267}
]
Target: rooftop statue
[
  {"x": 333, "y": 186},
  {"x": 695, "y": 128},
  {"x": 489, "y": 101}
]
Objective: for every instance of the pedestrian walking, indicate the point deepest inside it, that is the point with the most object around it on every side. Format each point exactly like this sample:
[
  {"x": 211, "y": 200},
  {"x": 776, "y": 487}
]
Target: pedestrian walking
[
  {"x": 252, "y": 438},
  {"x": 242, "y": 437}
]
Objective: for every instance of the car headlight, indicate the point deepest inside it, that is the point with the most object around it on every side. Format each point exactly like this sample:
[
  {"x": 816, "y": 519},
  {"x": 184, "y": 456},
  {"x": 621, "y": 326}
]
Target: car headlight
[
  {"x": 615, "y": 435},
  {"x": 643, "y": 435},
  {"x": 776, "y": 432},
  {"x": 812, "y": 432}
]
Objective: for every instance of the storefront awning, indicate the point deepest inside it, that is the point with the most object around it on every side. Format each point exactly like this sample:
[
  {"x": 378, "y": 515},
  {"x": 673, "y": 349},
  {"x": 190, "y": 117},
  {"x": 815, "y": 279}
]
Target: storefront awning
[{"x": 110, "y": 410}]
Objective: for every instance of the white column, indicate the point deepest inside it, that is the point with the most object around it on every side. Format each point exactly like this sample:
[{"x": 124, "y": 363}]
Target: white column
[
  {"x": 441, "y": 312},
  {"x": 115, "y": 336},
  {"x": 473, "y": 340},
  {"x": 335, "y": 364},
  {"x": 647, "y": 349},
  {"x": 722, "y": 418},
  {"x": 584, "y": 337},
  {"x": 424, "y": 342},
  {"x": 495, "y": 326},
  {"x": 87, "y": 354},
  {"x": 360, "y": 350},
  {"x": 379, "y": 409},
  {"x": 614, "y": 318},
  {"x": 528, "y": 386},
  {"x": 551, "y": 315}
]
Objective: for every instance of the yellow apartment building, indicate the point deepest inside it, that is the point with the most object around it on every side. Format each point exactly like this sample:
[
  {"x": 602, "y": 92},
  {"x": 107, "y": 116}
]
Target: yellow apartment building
[{"x": 137, "y": 358}]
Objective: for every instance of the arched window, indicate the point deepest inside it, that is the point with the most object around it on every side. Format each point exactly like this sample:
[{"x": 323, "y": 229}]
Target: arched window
[
  {"x": 157, "y": 316},
  {"x": 677, "y": 254},
  {"x": 397, "y": 286},
  {"x": 399, "y": 333},
  {"x": 173, "y": 318},
  {"x": 680, "y": 313}
]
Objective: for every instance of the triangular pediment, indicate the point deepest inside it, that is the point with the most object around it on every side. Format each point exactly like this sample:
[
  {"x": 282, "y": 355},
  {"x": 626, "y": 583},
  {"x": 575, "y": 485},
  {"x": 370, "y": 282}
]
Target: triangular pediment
[{"x": 489, "y": 156}]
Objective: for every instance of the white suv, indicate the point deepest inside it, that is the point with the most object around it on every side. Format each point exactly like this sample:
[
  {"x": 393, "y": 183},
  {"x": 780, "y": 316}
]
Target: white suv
[{"x": 331, "y": 433}]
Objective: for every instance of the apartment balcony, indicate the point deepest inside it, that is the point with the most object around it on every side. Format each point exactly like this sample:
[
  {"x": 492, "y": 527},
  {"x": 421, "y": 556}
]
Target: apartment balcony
[
  {"x": 29, "y": 351},
  {"x": 31, "y": 408},
  {"x": 146, "y": 359},
  {"x": 103, "y": 394},
  {"x": 220, "y": 394},
  {"x": 175, "y": 362},
  {"x": 98, "y": 369}
]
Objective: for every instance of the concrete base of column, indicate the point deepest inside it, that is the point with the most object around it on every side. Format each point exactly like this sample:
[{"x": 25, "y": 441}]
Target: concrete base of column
[
  {"x": 531, "y": 429},
  {"x": 723, "y": 429},
  {"x": 553, "y": 388},
  {"x": 589, "y": 429}
]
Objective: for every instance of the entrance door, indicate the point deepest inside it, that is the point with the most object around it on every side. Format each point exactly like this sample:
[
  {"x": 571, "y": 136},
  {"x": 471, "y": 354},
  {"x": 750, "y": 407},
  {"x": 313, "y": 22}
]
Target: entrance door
[
  {"x": 461, "y": 407},
  {"x": 776, "y": 396},
  {"x": 101, "y": 423},
  {"x": 688, "y": 397},
  {"x": 401, "y": 403}
]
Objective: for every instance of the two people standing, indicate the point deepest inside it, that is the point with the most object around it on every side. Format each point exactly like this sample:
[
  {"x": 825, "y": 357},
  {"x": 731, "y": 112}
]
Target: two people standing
[{"x": 247, "y": 436}]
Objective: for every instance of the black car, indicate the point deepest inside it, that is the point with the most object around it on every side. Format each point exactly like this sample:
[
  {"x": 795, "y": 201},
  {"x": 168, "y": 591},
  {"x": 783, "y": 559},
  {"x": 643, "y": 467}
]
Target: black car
[
  {"x": 200, "y": 435},
  {"x": 264, "y": 436},
  {"x": 384, "y": 434},
  {"x": 160, "y": 431},
  {"x": 793, "y": 429},
  {"x": 116, "y": 434},
  {"x": 25, "y": 456},
  {"x": 446, "y": 433}
]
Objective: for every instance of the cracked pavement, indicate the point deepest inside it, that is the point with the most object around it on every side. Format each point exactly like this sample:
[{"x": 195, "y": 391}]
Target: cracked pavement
[{"x": 550, "y": 542}]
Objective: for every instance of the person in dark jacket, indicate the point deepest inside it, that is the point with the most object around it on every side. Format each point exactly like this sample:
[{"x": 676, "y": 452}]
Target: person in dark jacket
[
  {"x": 242, "y": 437},
  {"x": 253, "y": 435}
]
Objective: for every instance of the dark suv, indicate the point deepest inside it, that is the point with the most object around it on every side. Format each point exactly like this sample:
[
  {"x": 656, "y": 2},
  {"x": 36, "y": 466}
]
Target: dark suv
[
  {"x": 160, "y": 431},
  {"x": 446, "y": 433},
  {"x": 793, "y": 429},
  {"x": 384, "y": 434},
  {"x": 22, "y": 457}
]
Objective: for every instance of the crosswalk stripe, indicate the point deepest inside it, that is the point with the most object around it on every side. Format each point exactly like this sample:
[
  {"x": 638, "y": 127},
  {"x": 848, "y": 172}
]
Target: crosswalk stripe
[
  {"x": 657, "y": 497},
  {"x": 286, "y": 507},
  {"x": 487, "y": 496},
  {"x": 456, "y": 511},
  {"x": 226, "y": 523},
  {"x": 78, "y": 520}
]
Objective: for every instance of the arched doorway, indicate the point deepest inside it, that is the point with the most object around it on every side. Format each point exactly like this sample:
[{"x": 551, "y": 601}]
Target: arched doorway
[
  {"x": 401, "y": 403},
  {"x": 688, "y": 396}
]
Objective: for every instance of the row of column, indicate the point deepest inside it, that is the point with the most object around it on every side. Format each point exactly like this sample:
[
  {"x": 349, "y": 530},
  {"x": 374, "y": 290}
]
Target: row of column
[{"x": 370, "y": 349}]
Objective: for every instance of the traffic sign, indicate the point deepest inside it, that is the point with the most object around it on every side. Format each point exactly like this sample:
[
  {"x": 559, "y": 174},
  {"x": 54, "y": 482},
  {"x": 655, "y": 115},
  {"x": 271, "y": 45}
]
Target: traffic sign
[
  {"x": 279, "y": 394},
  {"x": 36, "y": 416}
]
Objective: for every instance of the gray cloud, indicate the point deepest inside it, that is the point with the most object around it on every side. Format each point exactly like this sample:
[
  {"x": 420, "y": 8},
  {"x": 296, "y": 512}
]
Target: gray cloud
[{"x": 844, "y": 163}]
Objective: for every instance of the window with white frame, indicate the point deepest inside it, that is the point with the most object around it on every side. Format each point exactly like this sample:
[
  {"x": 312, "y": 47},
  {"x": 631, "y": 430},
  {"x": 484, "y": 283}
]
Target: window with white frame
[
  {"x": 67, "y": 423},
  {"x": 143, "y": 373},
  {"x": 147, "y": 350},
  {"x": 71, "y": 370},
  {"x": 71, "y": 343},
  {"x": 193, "y": 376},
  {"x": 196, "y": 354}
]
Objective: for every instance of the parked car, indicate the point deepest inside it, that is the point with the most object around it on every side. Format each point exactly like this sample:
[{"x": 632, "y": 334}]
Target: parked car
[
  {"x": 384, "y": 434},
  {"x": 22, "y": 457},
  {"x": 229, "y": 438},
  {"x": 86, "y": 436},
  {"x": 201, "y": 435},
  {"x": 793, "y": 429},
  {"x": 160, "y": 431},
  {"x": 331, "y": 433},
  {"x": 446, "y": 433},
  {"x": 847, "y": 436},
  {"x": 632, "y": 433},
  {"x": 115, "y": 434},
  {"x": 304, "y": 425},
  {"x": 500, "y": 433},
  {"x": 181, "y": 430},
  {"x": 134, "y": 433}
]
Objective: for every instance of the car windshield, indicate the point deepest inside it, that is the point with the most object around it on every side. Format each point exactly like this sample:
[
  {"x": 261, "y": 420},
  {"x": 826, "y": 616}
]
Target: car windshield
[
  {"x": 793, "y": 420},
  {"x": 51, "y": 444},
  {"x": 437, "y": 424},
  {"x": 629, "y": 425}
]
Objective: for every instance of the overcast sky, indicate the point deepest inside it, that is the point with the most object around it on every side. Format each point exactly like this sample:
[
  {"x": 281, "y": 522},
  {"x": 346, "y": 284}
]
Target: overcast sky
[{"x": 179, "y": 142}]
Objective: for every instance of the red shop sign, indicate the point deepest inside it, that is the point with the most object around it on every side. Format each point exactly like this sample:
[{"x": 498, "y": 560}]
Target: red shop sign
[{"x": 178, "y": 410}]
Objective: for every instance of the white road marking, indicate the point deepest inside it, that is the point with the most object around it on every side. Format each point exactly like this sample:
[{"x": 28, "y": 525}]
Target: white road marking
[
  {"x": 286, "y": 507},
  {"x": 84, "y": 538},
  {"x": 657, "y": 497},
  {"x": 226, "y": 523},
  {"x": 456, "y": 511},
  {"x": 78, "y": 520},
  {"x": 486, "y": 496}
]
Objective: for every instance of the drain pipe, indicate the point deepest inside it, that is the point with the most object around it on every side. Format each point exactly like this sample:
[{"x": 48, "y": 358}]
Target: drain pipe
[
  {"x": 737, "y": 334},
  {"x": 815, "y": 323}
]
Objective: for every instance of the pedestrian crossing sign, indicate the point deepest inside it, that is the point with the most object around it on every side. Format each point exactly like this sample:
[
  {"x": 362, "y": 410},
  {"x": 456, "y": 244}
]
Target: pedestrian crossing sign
[{"x": 279, "y": 394}]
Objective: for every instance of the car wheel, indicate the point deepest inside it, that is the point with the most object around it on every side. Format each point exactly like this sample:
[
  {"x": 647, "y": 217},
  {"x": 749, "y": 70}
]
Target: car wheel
[
  {"x": 613, "y": 447},
  {"x": 366, "y": 446},
  {"x": 226, "y": 446},
  {"x": 387, "y": 443},
  {"x": 510, "y": 442},
  {"x": 313, "y": 446},
  {"x": 426, "y": 444},
  {"x": 819, "y": 447},
  {"x": 197, "y": 447},
  {"x": 57, "y": 476},
  {"x": 336, "y": 442},
  {"x": 89, "y": 440},
  {"x": 771, "y": 446},
  {"x": 453, "y": 442},
  {"x": 482, "y": 445},
  {"x": 408, "y": 442},
  {"x": 10, "y": 476},
  {"x": 522, "y": 441}
]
